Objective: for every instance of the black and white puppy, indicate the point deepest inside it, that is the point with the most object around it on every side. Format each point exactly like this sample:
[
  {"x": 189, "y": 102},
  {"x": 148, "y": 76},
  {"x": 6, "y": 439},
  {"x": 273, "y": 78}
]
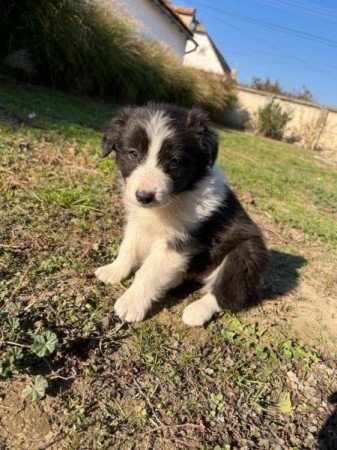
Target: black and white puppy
[{"x": 183, "y": 220}]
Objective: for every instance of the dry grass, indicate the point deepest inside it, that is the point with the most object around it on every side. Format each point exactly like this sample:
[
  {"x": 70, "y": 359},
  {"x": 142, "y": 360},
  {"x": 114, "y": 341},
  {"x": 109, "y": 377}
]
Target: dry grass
[{"x": 91, "y": 48}]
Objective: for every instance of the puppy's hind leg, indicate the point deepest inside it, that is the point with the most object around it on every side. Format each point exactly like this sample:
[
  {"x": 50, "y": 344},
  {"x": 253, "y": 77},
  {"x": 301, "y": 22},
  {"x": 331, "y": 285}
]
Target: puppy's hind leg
[
  {"x": 201, "y": 311},
  {"x": 233, "y": 285}
]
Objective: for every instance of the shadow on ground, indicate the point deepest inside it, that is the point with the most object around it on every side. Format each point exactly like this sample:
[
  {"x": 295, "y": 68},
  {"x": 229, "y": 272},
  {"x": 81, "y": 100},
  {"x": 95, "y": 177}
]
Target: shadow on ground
[
  {"x": 282, "y": 278},
  {"x": 327, "y": 436},
  {"x": 283, "y": 275}
]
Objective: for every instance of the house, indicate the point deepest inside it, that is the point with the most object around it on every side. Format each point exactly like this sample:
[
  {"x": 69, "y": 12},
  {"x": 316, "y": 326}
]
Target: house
[
  {"x": 157, "y": 21},
  {"x": 177, "y": 28},
  {"x": 206, "y": 56}
]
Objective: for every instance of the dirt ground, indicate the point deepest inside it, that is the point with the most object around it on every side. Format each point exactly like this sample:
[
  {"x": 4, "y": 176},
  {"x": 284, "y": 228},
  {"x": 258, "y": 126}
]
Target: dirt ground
[{"x": 308, "y": 302}]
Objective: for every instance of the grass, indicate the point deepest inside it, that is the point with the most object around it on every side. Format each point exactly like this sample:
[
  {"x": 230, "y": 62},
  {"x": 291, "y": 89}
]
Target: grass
[
  {"x": 241, "y": 381},
  {"x": 70, "y": 197},
  {"x": 286, "y": 182}
]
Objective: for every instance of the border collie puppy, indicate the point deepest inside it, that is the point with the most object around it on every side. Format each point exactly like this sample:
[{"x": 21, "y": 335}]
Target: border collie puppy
[{"x": 183, "y": 220}]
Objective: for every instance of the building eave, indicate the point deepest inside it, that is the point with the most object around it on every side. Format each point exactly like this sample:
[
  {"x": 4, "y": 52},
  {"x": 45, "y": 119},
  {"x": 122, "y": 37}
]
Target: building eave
[
  {"x": 220, "y": 56},
  {"x": 174, "y": 18}
]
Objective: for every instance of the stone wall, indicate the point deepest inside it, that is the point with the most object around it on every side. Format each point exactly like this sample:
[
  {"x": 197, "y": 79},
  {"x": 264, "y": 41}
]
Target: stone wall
[{"x": 311, "y": 125}]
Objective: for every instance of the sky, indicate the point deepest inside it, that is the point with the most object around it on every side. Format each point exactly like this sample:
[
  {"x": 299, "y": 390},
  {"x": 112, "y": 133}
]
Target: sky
[{"x": 292, "y": 41}]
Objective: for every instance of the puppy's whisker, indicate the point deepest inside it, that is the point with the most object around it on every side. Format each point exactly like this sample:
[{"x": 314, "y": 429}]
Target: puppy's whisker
[{"x": 177, "y": 203}]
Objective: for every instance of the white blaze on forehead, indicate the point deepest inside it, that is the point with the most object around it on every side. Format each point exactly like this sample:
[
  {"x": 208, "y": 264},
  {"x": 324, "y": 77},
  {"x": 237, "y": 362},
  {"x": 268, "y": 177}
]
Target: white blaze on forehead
[{"x": 158, "y": 129}]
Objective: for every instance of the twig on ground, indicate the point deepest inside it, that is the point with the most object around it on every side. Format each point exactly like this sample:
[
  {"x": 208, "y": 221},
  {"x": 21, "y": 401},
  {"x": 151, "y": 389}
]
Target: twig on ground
[
  {"x": 55, "y": 374},
  {"x": 84, "y": 169},
  {"x": 110, "y": 333},
  {"x": 16, "y": 247},
  {"x": 149, "y": 403},
  {"x": 16, "y": 344}
]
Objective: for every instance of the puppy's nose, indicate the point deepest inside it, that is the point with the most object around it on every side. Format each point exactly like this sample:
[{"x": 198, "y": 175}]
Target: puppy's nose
[{"x": 144, "y": 197}]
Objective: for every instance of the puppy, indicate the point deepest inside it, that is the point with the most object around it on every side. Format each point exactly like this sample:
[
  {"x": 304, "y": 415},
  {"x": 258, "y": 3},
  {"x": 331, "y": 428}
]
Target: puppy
[{"x": 183, "y": 220}]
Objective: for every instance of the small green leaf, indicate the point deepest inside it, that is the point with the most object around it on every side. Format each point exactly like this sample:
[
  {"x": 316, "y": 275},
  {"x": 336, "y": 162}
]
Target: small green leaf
[
  {"x": 285, "y": 406},
  {"x": 287, "y": 345},
  {"x": 143, "y": 412},
  {"x": 12, "y": 324},
  {"x": 273, "y": 358},
  {"x": 261, "y": 352},
  {"x": 11, "y": 328},
  {"x": 229, "y": 335},
  {"x": 236, "y": 324},
  {"x": 44, "y": 343},
  {"x": 14, "y": 354},
  {"x": 37, "y": 390},
  {"x": 219, "y": 397},
  {"x": 287, "y": 354},
  {"x": 287, "y": 349}
]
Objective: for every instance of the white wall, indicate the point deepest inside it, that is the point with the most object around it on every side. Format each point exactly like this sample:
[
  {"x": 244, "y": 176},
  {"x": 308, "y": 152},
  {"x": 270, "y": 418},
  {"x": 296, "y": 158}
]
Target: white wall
[
  {"x": 204, "y": 57},
  {"x": 155, "y": 24}
]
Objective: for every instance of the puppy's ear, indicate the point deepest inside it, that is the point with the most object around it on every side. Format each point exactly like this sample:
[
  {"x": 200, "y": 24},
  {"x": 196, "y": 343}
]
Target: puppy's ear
[
  {"x": 111, "y": 138},
  {"x": 199, "y": 121}
]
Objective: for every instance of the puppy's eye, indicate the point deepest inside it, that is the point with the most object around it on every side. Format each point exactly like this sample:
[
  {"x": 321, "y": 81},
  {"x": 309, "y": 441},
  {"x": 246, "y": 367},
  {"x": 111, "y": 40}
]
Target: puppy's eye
[
  {"x": 174, "y": 162},
  {"x": 133, "y": 154}
]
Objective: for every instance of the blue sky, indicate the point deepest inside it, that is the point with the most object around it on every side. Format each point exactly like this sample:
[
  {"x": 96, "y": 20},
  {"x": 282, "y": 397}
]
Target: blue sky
[{"x": 264, "y": 51}]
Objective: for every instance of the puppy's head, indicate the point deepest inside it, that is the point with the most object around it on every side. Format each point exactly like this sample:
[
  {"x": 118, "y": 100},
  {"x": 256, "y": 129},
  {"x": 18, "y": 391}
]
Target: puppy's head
[{"x": 161, "y": 151}]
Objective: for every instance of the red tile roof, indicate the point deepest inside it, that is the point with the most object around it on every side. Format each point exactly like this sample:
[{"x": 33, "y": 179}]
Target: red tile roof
[
  {"x": 168, "y": 8},
  {"x": 183, "y": 10}
]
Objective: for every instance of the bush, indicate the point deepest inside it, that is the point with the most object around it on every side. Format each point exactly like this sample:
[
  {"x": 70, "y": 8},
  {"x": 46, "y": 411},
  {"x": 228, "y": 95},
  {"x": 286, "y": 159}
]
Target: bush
[
  {"x": 87, "y": 47},
  {"x": 275, "y": 87},
  {"x": 271, "y": 120}
]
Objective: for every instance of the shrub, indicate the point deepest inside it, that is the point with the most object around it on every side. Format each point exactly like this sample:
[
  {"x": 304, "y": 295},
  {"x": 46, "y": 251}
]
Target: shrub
[
  {"x": 271, "y": 120},
  {"x": 275, "y": 87},
  {"x": 88, "y": 47}
]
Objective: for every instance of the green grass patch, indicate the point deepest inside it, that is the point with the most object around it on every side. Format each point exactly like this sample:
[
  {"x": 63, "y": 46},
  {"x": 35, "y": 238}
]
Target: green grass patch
[
  {"x": 68, "y": 197},
  {"x": 285, "y": 181}
]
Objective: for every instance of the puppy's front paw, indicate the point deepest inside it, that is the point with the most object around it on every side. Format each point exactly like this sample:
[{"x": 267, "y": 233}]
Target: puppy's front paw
[
  {"x": 131, "y": 309},
  {"x": 109, "y": 274}
]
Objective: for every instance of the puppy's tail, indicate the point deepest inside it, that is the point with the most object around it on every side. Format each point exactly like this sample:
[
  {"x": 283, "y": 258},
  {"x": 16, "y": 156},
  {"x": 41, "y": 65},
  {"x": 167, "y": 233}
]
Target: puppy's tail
[{"x": 236, "y": 284}]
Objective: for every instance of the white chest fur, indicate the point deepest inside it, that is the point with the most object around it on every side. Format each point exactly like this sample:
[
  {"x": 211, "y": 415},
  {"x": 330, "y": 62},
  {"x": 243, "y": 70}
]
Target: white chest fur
[{"x": 184, "y": 212}]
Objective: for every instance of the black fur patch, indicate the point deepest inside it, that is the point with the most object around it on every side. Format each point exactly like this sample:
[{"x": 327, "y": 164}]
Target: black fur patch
[
  {"x": 125, "y": 134},
  {"x": 134, "y": 138},
  {"x": 194, "y": 144}
]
